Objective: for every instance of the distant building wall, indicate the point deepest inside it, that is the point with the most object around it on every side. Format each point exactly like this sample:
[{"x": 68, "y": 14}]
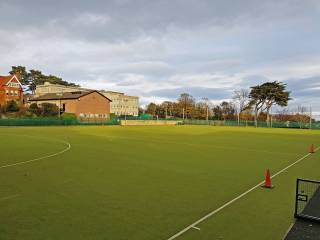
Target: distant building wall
[
  {"x": 92, "y": 105},
  {"x": 122, "y": 104},
  {"x": 55, "y": 88}
]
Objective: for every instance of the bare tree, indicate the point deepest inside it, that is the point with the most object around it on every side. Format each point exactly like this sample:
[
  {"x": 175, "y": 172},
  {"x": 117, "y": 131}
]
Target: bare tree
[
  {"x": 241, "y": 97},
  {"x": 207, "y": 106},
  {"x": 302, "y": 116}
]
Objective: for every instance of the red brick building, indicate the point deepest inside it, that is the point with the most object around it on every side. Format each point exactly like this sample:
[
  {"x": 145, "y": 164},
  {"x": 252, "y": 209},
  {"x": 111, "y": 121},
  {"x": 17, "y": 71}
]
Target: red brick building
[
  {"x": 10, "y": 89},
  {"x": 87, "y": 105}
]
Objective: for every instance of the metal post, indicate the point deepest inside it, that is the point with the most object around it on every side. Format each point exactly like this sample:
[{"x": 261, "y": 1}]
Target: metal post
[
  {"x": 166, "y": 110},
  {"x": 238, "y": 119},
  {"x": 59, "y": 106},
  {"x": 271, "y": 120},
  {"x": 296, "y": 203},
  {"x": 59, "y": 94},
  {"x": 310, "y": 117},
  {"x": 182, "y": 113}
]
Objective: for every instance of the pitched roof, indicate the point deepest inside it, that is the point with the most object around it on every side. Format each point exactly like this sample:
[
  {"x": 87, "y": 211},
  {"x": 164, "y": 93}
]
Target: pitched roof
[
  {"x": 65, "y": 95},
  {"x": 6, "y": 79}
]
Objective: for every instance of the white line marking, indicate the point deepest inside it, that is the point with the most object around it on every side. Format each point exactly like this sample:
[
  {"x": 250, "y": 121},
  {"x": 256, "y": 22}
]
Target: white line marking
[
  {"x": 235, "y": 199},
  {"x": 9, "y": 197},
  {"x": 43, "y": 157},
  {"x": 196, "y": 228},
  {"x": 287, "y": 232}
]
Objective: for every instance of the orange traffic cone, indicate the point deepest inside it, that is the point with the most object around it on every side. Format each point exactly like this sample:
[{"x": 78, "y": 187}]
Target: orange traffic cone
[
  {"x": 267, "y": 182},
  {"x": 312, "y": 149}
]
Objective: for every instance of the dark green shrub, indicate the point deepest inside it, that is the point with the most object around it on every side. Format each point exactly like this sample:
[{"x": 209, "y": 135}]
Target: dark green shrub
[
  {"x": 34, "y": 109},
  {"x": 49, "y": 110},
  {"x": 12, "y": 106}
]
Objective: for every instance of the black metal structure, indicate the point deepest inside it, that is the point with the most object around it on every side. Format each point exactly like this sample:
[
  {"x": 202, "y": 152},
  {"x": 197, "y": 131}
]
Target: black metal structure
[{"x": 307, "y": 200}]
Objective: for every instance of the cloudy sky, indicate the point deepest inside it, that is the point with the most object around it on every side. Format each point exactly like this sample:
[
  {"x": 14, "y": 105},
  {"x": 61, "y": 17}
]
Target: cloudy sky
[{"x": 159, "y": 49}]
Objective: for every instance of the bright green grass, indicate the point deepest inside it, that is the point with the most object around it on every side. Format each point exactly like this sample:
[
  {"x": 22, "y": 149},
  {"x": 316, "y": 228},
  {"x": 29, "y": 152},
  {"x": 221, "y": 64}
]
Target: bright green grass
[{"x": 147, "y": 183}]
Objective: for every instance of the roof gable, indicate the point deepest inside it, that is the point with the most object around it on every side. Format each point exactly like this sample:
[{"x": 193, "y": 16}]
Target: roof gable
[
  {"x": 95, "y": 91},
  {"x": 66, "y": 95},
  {"x": 5, "y": 80}
]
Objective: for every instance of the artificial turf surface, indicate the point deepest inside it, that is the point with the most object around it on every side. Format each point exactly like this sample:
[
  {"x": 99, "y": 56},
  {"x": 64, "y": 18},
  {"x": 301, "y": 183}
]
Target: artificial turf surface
[{"x": 149, "y": 182}]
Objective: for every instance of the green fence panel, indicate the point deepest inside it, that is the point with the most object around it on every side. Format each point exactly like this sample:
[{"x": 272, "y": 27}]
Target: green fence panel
[
  {"x": 242, "y": 123},
  {"x": 53, "y": 122},
  {"x": 116, "y": 121}
]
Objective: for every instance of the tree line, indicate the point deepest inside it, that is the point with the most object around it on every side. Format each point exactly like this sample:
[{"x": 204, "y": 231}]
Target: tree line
[
  {"x": 253, "y": 104},
  {"x": 31, "y": 78}
]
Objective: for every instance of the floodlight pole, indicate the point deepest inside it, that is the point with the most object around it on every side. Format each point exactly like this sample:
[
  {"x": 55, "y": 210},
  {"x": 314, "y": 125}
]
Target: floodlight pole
[
  {"x": 60, "y": 94},
  {"x": 182, "y": 113},
  {"x": 238, "y": 119},
  {"x": 310, "y": 117},
  {"x": 207, "y": 117},
  {"x": 59, "y": 107},
  {"x": 271, "y": 120},
  {"x": 166, "y": 111}
]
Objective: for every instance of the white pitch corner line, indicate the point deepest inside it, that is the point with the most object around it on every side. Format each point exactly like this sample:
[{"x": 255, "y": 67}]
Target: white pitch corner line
[
  {"x": 193, "y": 225},
  {"x": 9, "y": 197},
  {"x": 40, "y": 158},
  {"x": 196, "y": 228}
]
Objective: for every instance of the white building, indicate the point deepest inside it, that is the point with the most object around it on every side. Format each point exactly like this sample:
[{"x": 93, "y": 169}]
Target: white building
[
  {"x": 122, "y": 104},
  {"x": 56, "y": 88}
]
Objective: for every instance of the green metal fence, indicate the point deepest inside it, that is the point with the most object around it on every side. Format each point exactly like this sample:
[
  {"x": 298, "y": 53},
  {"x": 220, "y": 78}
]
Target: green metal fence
[
  {"x": 53, "y": 122},
  {"x": 116, "y": 121},
  {"x": 315, "y": 125}
]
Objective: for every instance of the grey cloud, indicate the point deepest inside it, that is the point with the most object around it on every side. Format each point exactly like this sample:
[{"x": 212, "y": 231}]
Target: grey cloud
[
  {"x": 197, "y": 92},
  {"x": 306, "y": 93},
  {"x": 305, "y": 90},
  {"x": 253, "y": 80},
  {"x": 304, "y": 83},
  {"x": 162, "y": 48},
  {"x": 122, "y": 19}
]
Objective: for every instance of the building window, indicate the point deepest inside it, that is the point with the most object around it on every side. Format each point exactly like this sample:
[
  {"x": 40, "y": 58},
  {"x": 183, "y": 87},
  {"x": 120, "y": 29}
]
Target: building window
[{"x": 12, "y": 84}]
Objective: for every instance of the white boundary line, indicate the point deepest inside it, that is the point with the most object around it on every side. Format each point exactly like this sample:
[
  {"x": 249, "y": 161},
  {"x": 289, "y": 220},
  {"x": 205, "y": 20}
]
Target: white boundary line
[
  {"x": 9, "y": 197},
  {"x": 196, "y": 228},
  {"x": 193, "y": 225},
  {"x": 39, "y": 158},
  {"x": 287, "y": 232}
]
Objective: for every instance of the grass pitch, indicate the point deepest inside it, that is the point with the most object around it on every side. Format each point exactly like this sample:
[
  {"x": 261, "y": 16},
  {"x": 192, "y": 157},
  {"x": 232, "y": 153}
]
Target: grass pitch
[{"x": 148, "y": 183}]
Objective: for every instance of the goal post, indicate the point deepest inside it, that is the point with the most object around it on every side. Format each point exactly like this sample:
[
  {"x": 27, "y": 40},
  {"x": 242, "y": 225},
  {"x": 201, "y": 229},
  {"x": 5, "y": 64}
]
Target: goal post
[{"x": 307, "y": 200}]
